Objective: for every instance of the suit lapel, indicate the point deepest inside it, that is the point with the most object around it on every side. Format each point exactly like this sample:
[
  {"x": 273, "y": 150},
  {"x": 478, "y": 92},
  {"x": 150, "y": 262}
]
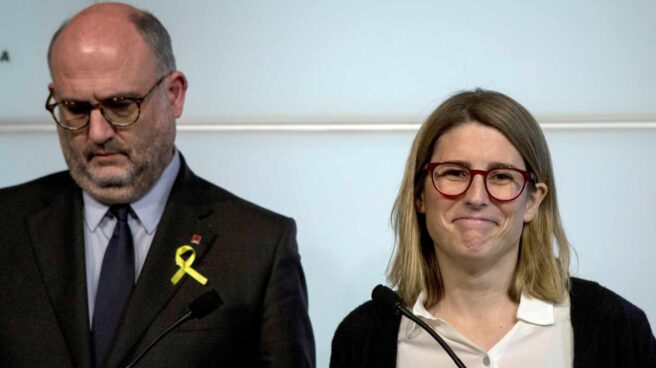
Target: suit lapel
[
  {"x": 58, "y": 240},
  {"x": 182, "y": 219}
]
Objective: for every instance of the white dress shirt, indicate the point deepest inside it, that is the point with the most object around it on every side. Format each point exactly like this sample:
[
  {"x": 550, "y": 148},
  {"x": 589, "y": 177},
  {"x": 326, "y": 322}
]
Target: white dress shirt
[
  {"x": 541, "y": 338},
  {"x": 99, "y": 226}
]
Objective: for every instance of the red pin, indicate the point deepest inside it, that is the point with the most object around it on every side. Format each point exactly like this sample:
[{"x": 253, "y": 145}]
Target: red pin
[{"x": 195, "y": 239}]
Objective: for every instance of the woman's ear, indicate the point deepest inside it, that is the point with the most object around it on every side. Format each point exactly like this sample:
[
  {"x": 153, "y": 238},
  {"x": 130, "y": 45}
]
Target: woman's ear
[
  {"x": 533, "y": 202},
  {"x": 419, "y": 203}
]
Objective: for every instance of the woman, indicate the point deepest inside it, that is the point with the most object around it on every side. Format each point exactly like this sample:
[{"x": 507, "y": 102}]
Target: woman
[{"x": 481, "y": 256}]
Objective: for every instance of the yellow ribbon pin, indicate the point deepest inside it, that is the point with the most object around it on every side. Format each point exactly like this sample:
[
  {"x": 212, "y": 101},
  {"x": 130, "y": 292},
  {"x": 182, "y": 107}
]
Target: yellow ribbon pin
[{"x": 185, "y": 266}]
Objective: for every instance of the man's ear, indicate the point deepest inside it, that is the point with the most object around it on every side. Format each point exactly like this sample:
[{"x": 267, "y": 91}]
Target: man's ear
[
  {"x": 534, "y": 200},
  {"x": 176, "y": 91}
]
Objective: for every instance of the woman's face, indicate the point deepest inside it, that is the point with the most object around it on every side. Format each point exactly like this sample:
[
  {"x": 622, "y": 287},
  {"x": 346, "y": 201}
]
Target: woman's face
[{"x": 475, "y": 227}]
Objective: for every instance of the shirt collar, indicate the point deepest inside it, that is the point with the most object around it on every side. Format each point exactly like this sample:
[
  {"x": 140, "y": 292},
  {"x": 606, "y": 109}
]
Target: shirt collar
[
  {"x": 149, "y": 208},
  {"x": 420, "y": 310},
  {"x": 530, "y": 310},
  {"x": 535, "y": 311},
  {"x": 94, "y": 211}
]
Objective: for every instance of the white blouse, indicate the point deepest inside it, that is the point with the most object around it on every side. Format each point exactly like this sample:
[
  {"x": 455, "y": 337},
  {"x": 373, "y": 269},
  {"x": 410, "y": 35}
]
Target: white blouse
[{"x": 542, "y": 337}]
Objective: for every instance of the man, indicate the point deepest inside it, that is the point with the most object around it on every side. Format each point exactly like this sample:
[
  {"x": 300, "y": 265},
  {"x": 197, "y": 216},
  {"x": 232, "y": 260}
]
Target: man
[{"x": 94, "y": 263}]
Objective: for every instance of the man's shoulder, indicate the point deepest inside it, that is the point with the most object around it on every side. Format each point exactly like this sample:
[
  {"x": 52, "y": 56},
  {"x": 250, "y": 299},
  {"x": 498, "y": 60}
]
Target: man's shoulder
[
  {"x": 36, "y": 191},
  {"x": 57, "y": 178},
  {"x": 203, "y": 191}
]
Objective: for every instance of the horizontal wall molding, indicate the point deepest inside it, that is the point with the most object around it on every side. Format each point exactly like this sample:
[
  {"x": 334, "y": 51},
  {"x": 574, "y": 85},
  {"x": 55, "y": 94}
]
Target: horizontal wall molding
[{"x": 362, "y": 126}]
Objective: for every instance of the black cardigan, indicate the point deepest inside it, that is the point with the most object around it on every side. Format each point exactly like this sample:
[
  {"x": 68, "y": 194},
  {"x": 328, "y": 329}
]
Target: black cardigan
[{"x": 608, "y": 332}]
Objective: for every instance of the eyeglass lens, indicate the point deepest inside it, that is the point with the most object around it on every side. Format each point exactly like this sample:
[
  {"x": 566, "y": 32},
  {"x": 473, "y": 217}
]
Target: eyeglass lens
[{"x": 120, "y": 111}]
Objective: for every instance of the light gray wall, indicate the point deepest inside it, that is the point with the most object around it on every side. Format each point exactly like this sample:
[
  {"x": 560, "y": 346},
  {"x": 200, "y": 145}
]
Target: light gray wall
[
  {"x": 378, "y": 59},
  {"x": 25, "y": 31},
  {"x": 375, "y": 62}
]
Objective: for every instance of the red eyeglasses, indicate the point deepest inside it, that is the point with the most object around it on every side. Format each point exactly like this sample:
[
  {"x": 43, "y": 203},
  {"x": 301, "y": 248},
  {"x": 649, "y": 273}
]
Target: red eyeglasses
[{"x": 503, "y": 184}]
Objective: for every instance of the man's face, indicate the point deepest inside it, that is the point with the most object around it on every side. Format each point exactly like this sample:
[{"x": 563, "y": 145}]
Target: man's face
[{"x": 113, "y": 164}]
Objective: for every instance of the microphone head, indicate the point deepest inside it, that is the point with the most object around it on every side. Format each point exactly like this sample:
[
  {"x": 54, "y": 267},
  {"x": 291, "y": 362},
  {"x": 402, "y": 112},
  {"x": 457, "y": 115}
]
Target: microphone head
[
  {"x": 385, "y": 297},
  {"x": 205, "y": 304}
]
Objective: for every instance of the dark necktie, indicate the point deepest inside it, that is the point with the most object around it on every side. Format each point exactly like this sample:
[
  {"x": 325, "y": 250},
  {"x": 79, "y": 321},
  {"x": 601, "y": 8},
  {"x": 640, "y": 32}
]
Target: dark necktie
[{"x": 115, "y": 285}]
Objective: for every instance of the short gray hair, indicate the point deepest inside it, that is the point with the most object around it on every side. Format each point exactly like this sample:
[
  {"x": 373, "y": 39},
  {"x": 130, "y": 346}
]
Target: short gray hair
[{"x": 157, "y": 38}]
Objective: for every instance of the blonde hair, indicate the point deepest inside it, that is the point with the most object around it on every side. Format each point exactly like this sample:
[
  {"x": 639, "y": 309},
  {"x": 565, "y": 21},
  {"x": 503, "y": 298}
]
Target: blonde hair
[{"x": 539, "y": 273}]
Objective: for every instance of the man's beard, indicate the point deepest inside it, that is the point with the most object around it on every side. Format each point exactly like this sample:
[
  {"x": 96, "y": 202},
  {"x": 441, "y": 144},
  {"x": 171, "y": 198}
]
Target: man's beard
[
  {"x": 128, "y": 183},
  {"x": 118, "y": 180}
]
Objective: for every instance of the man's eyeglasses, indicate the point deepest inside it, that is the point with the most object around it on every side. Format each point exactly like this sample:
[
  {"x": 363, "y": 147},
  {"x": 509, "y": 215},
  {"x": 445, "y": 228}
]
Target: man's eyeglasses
[
  {"x": 119, "y": 111},
  {"x": 502, "y": 184}
]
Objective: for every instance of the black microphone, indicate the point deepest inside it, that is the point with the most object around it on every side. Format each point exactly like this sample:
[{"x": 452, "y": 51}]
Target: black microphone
[
  {"x": 388, "y": 299},
  {"x": 198, "y": 308}
]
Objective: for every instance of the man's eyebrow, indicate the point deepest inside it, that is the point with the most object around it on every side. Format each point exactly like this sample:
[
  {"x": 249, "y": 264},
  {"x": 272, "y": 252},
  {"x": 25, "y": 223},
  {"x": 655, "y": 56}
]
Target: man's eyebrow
[
  {"x": 118, "y": 95},
  {"x": 73, "y": 100},
  {"x": 62, "y": 98}
]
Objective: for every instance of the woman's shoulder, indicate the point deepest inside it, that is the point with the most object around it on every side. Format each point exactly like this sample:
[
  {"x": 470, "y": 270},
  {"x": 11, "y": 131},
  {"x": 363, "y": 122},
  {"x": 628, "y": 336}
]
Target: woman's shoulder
[
  {"x": 591, "y": 297},
  {"x": 608, "y": 328},
  {"x": 366, "y": 338},
  {"x": 364, "y": 318}
]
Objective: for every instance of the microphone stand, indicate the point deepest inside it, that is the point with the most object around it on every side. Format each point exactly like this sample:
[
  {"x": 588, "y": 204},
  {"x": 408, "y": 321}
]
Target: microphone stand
[
  {"x": 391, "y": 301},
  {"x": 198, "y": 308},
  {"x": 432, "y": 332},
  {"x": 177, "y": 323}
]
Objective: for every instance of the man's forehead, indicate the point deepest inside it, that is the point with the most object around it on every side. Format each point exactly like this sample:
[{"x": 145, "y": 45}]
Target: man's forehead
[
  {"x": 102, "y": 19},
  {"x": 96, "y": 32},
  {"x": 101, "y": 49},
  {"x": 102, "y": 30}
]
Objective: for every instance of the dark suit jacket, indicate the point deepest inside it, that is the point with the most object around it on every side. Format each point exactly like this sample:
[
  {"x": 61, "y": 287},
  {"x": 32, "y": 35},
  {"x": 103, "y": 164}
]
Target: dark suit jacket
[{"x": 248, "y": 254}]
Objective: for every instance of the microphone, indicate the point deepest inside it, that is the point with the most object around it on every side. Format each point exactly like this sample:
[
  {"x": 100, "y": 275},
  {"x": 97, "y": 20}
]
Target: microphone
[
  {"x": 204, "y": 305},
  {"x": 388, "y": 299},
  {"x": 198, "y": 308}
]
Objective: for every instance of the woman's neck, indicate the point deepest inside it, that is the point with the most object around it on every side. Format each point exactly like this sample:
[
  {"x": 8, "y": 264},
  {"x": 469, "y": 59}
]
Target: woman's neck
[
  {"x": 476, "y": 282},
  {"x": 476, "y": 301}
]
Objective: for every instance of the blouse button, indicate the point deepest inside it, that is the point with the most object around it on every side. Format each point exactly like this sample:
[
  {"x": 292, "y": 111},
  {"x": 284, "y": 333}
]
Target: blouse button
[{"x": 486, "y": 361}]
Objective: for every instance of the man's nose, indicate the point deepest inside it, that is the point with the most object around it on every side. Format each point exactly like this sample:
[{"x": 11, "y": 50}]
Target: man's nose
[{"x": 100, "y": 130}]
